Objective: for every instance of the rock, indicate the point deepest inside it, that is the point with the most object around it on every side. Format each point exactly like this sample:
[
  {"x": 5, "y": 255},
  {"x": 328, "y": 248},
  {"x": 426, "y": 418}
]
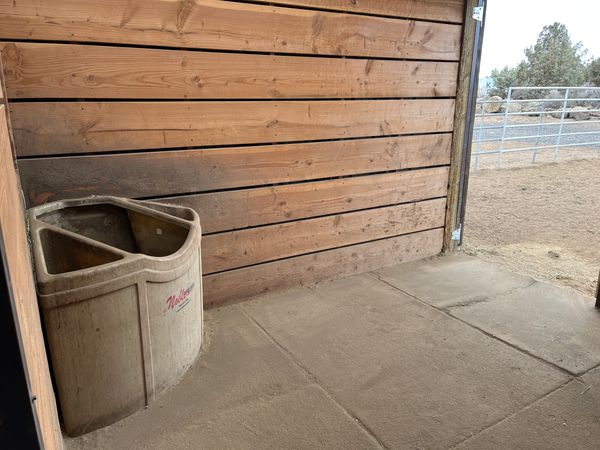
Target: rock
[
  {"x": 554, "y": 255},
  {"x": 561, "y": 276},
  {"x": 491, "y": 108},
  {"x": 579, "y": 113},
  {"x": 536, "y": 108},
  {"x": 512, "y": 107},
  {"x": 531, "y": 106}
]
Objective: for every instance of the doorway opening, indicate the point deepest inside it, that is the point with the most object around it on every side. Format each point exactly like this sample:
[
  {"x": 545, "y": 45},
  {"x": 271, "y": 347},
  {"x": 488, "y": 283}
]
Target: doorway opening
[{"x": 534, "y": 192}]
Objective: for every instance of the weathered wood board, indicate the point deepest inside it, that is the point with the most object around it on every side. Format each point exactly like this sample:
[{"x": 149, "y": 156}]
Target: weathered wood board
[
  {"x": 442, "y": 10},
  {"x": 247, "y": 247},
  {"x": 142, "y": 174},
  {"x": 243, "y": 208},
  {"x": 224, "y": 25},
  {"x": 51, "y": 128},
  {"x": 83, "y": 71}
]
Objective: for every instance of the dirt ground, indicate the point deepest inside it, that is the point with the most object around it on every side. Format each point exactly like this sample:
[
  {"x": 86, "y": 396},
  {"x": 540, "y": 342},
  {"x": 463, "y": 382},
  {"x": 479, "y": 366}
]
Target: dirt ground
[
  {"x": 542, "y": 220},
  {"x": 521, "y": 159}
]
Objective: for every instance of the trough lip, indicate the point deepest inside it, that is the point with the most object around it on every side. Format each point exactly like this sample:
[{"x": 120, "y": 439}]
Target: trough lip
[{"x": 128, "y": 263}]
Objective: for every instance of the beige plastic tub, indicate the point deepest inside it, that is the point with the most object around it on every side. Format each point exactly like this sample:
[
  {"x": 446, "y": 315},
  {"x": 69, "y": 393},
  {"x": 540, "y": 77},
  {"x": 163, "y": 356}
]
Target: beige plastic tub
[{"x": 120, "y": 286}]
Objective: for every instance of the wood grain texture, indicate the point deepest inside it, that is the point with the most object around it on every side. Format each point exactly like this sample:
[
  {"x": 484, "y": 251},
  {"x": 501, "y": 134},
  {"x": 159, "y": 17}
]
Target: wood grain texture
[
  {"x": 213, "y": 24},
  {"x": 458, "y": 138},
  {"x": 442, "y": 10},
  {"x": 46, "y": 128},
  {"x": 245, "y": 283},
  {"x": 257, "y": 82},
  {"x": 180, "y": 171},
  {"x": 221, "y": 211},
  {"x": 84, "y": 71},
  {"x": 241, "y": 248},
  {"x": 14, "y": 236}
]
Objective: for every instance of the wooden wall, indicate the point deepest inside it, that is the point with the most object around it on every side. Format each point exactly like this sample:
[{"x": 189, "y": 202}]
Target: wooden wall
[
  {"x": 27, "y": 317},
  {"x": 312, "y": 136}
]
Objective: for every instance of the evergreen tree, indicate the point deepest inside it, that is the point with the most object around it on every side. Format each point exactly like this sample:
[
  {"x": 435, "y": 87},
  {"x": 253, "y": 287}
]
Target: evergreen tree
[
  {"x": 593, "y": 75},
  {"x": 553, "y": 61},
  {"x": 505, "y": 78}
]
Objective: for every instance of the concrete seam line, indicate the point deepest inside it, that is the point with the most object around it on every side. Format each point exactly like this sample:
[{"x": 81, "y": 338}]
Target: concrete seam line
[
  {"x": 585, "y": 372},
  {"x": 482, "y": 331},
  {"x": 315, "y": 380},
  {"x": 514, "y": 413},
  {"x": 473, "y": 301}
]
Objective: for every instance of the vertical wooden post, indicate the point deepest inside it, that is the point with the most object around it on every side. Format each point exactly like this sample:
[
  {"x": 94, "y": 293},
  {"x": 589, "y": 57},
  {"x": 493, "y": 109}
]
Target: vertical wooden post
[
  {"x": 20, "y": 274},
  {"x": 463, "y": 122}
]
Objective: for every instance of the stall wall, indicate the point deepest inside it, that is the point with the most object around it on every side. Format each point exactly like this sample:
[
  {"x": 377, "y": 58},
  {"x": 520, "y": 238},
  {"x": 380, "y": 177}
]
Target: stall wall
[
  {"x": 13, "y": 236},
  {"x": 313, "y": 137}
]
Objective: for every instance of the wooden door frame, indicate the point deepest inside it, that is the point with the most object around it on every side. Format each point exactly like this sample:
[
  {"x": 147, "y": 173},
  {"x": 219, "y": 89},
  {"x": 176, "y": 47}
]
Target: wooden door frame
[
  {"x": 30, "y": 360},
  {"x": 464, "y": 117},
  {"x": 20, "y": 427}
]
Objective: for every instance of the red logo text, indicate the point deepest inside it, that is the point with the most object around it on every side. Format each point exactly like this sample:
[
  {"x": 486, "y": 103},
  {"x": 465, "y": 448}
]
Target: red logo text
[{"x": 180, "y": 300}]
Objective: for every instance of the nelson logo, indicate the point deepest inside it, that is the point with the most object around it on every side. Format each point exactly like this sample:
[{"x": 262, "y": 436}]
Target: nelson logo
[{"x": 179, "y": 301}]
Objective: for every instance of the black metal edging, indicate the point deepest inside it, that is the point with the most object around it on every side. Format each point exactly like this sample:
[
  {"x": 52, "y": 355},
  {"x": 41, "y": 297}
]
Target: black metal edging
[
  {"x": 19, "y": 427},
  {"x": 598, "y": 293},
  {"x": 469, "y": 122}
]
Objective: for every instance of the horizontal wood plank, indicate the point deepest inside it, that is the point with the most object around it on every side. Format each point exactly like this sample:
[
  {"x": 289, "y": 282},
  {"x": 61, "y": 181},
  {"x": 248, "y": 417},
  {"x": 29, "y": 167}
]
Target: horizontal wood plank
[
  {"x": 442, "y": 10},
  {"x": 221, "y": 211},
  {"x": 241, "y": 248},
  {"x": 46, "y": 128},
  {"x": 214, "y": 24},
  {"x": 82, "y": 71},
  {"x": 242, "y": 284},
  {"x": 176, "y": 172}
]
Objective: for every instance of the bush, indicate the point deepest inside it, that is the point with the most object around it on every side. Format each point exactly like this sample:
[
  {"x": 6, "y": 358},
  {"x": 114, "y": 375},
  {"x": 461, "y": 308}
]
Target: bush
[{"x": 593, "y": 72}]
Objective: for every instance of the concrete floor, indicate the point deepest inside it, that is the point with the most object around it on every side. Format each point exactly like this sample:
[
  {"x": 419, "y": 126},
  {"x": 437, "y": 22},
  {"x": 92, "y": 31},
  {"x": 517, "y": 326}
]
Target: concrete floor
[{"x": 446, "y": 352}]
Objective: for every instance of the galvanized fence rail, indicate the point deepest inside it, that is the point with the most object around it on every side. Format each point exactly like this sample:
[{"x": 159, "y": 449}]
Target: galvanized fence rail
[{"x": 523, "y": 122}]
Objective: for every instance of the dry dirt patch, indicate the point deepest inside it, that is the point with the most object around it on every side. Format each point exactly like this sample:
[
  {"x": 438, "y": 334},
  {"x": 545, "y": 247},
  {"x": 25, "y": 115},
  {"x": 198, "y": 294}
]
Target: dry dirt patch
[{"x": 541, "y": 220}]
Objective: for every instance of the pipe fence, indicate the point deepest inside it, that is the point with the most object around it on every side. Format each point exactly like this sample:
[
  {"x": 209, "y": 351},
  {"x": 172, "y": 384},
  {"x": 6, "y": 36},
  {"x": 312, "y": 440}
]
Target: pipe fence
[{"x": 537, "y": 119}]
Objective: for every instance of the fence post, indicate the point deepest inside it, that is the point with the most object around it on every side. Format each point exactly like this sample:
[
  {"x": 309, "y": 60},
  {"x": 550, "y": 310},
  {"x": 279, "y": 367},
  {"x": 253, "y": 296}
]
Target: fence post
[
  {"x": 539, "y": 131},
  {"x": 506, "y": 108},
  {"x": 481, "y": 119},
  {"x": 562, "y": 122},
  {"x": 541, "y": 140}
]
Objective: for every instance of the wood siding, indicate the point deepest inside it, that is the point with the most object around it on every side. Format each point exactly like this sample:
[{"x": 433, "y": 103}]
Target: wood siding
[
  {"x": 313, "y": 137},
  {"x": 83, "y": 71},
  {"x": 13, "y": 235},
  {"x": 51, "y": 128},
  {"x": 224, "y": 25}
]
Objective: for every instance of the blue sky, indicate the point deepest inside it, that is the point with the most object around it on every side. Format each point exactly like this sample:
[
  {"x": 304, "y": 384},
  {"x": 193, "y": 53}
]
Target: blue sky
[{"x": 512, "y": 25}]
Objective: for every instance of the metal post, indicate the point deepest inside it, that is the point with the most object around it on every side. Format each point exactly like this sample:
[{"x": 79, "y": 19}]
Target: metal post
[
  {"x": 562, "y": 122},
  {"x": 598, "y": 293},
  {"x": 544, "y": 129},
  {"x": 539, "y": 131},
  {"x": 481, "y": 119},
  {"x": 506, "y": 108}
]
